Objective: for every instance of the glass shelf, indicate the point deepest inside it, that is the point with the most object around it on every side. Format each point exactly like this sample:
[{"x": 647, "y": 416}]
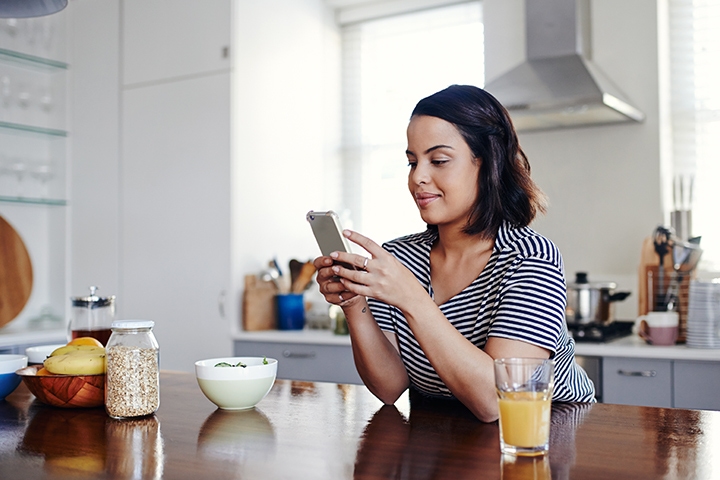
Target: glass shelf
[
  {"x": 24, "y": 59},
  {"x": 34, "y": 201},
  {"x": 31, "y": 129}
]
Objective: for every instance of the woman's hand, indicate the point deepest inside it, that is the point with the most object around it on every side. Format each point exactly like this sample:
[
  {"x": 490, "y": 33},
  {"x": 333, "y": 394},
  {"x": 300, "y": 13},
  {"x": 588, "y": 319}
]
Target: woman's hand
[
  {"x": 330, "y": 285},
  {"x": 380, "y": 276}
]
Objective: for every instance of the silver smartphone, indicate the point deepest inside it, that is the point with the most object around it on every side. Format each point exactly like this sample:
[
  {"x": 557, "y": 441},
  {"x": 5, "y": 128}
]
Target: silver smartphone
[{"x": 328, "y": 232}]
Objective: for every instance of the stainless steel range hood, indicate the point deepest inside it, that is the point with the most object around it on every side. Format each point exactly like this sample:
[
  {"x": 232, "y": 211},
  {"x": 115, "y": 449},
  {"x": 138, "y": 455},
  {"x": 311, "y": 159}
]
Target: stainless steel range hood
[{"x": 558, "y": 86}]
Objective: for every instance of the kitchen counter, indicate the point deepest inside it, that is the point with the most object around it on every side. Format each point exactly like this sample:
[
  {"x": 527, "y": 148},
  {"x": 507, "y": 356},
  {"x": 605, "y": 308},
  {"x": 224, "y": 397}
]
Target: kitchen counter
[
  {"x": 16, "y": 339},
  {"x": 633, "y": 346},
  {"x": 327, "y": 430}
]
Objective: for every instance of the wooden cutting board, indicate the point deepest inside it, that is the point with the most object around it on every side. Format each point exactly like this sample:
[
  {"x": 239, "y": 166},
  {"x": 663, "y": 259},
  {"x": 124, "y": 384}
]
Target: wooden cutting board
[{"x": 16, "y": 274}]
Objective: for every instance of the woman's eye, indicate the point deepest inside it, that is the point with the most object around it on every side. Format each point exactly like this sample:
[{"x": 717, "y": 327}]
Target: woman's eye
[
  {"x": 412, "y": 164},
  {"x": 439, "y": 162}
]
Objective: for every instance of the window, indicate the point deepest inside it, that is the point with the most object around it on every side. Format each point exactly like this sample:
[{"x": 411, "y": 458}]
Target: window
[
  {"x": 388, "y": 65},
  {"x": 695, "y": 110}
]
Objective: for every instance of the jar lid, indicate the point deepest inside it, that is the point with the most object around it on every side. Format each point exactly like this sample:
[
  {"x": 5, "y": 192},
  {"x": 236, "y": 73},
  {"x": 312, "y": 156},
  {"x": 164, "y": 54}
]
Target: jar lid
[
  {"x": 92, "y": 301},
  {"x": 131, "y": 324}
]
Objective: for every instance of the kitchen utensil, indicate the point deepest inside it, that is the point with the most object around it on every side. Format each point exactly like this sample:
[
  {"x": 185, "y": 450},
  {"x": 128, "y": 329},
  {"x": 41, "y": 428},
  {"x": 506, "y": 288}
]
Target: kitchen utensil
[
  {"x": 295, "y": 268},
  {"x": 16, "y": 273},
  {"x": 304, "y": 277},
  {"x": 591, "y": 302},
  {"x": 92, "y": 316},
  {"x": 661, "y": 240},
  {"x": 686, "y": 256}
]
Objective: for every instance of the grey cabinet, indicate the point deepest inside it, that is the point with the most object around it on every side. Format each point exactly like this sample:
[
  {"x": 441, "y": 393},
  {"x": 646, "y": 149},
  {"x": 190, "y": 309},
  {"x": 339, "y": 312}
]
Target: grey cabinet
[
  {"x": 696, "y": 385},
  {"x": 637, "y": 381},
  {"x": 305, "y": 361}
]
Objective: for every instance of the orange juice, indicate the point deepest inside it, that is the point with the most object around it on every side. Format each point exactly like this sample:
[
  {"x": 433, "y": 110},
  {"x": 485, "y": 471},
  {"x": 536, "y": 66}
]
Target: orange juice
[{"x": 524, "y": 419}]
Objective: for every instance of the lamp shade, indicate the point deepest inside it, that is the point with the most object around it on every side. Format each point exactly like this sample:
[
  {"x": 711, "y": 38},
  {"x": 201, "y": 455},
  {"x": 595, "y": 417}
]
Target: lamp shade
[{"x": 30, "y": 8}]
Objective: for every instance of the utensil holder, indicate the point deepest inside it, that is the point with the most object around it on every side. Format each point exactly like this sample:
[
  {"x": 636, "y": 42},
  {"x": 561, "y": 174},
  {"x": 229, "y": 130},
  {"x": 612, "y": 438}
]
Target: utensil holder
[{"x": 657, "y": 285}]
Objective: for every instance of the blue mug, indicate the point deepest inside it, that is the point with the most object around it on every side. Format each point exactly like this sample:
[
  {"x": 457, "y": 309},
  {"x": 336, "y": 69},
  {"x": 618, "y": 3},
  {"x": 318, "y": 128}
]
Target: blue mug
[{"x": 290, "y": 311}]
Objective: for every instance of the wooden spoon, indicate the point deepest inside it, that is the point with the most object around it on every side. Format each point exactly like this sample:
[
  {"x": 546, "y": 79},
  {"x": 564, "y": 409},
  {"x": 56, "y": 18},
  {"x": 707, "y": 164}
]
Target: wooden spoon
[{"x": 303, "y": 278}]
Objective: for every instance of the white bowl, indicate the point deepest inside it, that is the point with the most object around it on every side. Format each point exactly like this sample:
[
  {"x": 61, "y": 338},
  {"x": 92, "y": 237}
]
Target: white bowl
[
  {"x": 236, "y": 388},
  {"x": 37, "y": 355}
]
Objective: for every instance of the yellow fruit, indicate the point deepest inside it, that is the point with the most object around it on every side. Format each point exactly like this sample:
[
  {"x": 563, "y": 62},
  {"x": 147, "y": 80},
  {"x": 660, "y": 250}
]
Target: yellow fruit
[
  {"x": 76, "y": 349},
  {"x": 78, "y": 363},
  {"x": 86, "y": 341},
  {"x": 42, "y": 372}
]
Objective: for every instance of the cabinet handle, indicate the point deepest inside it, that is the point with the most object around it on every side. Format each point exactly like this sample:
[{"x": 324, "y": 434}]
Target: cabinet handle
[
  {"x": 289, "y": 354},
  {"x": 646, "y": 373}
]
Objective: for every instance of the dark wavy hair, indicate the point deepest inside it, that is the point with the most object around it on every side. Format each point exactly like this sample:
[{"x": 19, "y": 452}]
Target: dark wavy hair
[{"x": 506, "y": 192}]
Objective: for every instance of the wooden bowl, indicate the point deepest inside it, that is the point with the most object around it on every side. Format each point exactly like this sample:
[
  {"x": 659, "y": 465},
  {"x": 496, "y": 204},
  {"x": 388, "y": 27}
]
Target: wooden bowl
[{"x": 66, "y": 391}]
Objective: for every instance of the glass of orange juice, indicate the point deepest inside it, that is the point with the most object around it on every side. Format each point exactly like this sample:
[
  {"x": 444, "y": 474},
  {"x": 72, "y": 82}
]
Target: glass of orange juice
[{"x": 524, "y": 387}]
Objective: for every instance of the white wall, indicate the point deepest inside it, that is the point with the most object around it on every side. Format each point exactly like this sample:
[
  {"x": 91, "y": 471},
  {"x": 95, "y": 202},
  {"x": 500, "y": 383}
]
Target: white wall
[
  {"x": 603, "y": 182},
  {"x": 154, "y": 176},
  {"x": 286, "y": 129}
]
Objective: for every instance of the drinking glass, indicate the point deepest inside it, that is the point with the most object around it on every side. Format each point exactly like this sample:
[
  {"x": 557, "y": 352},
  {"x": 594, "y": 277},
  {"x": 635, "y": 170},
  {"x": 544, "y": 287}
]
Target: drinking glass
[{"x": 524, "y": 387}]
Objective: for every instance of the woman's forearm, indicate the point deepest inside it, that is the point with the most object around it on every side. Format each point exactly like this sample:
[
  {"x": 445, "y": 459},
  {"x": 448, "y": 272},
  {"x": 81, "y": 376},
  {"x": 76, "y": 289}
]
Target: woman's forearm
[{"x": 377, "y": 360}]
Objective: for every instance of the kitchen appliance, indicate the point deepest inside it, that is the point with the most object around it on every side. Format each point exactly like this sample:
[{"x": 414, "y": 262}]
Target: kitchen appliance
[
  {"x": 558, "y": 86},
  {"x": 591, "y": 302},
  {"x": 595, "y": 333},
  {"x": 92, "y": 316}
]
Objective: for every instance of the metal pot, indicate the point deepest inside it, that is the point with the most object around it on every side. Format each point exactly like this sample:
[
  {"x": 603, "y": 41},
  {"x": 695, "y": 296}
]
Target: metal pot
[{"x": 591, "y": 302}]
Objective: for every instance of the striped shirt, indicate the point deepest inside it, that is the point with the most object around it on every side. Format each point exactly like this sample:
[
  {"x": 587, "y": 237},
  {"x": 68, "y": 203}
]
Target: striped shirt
[{"x": 519, "y": 295}]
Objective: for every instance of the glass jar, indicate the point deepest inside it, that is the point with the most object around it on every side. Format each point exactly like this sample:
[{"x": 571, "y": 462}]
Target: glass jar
[
  {"x": 132, "y": 383},
  {"x": 92, "y": 316}
]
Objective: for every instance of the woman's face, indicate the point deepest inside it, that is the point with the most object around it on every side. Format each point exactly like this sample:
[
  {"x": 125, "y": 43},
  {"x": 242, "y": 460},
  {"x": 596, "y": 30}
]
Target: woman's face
[{"x": 443, "y": 172}]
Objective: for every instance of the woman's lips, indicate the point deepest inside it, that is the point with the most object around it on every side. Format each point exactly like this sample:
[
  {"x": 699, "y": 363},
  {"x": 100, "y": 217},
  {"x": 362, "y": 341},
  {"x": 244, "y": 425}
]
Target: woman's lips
[{"x": 424, "y": 199}]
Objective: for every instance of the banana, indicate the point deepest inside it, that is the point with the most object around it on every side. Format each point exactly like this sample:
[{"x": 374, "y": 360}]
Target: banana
[
  {"x": 77, "y": 349},
  {"x": 79, "y": 363}
]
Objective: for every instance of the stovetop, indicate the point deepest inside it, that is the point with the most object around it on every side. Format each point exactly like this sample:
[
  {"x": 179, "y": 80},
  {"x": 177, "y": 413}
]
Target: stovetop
[{"x": 594, "y": 333}]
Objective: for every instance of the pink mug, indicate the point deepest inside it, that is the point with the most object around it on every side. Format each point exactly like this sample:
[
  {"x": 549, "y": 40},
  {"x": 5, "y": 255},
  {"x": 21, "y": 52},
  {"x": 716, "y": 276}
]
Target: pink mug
[{"x": 659, "y": 328}]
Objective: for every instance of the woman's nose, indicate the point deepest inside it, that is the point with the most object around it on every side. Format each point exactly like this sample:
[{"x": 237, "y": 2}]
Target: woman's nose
[{"x": 419, "y": 174}]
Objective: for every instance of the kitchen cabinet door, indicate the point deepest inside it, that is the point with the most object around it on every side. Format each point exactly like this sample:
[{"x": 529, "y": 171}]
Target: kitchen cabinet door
[
  {"x": 696, "y": 385},
  {"x": 166, "y": 39},
  {"x": 305, "y": 361},
  {"x": 175, "y": 215},
  {"x": 637, "y": 381}
]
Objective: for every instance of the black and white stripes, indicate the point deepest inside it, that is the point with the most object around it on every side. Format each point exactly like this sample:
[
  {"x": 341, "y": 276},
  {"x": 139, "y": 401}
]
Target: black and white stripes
[{"x": 520, "y": 295}]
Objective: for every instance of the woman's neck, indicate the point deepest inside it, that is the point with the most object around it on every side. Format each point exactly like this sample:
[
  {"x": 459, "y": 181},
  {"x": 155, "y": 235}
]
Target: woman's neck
[{"x": 454, "y": 244}]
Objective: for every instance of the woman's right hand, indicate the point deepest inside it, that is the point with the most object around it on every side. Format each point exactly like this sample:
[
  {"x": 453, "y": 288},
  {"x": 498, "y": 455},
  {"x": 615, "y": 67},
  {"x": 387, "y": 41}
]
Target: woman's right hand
[{"x": 330, "y": 285}]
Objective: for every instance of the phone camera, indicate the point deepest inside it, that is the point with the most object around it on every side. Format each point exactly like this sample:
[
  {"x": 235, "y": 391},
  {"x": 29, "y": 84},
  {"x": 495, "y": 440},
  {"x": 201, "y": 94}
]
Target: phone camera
[{"x": 312, "y": 217}]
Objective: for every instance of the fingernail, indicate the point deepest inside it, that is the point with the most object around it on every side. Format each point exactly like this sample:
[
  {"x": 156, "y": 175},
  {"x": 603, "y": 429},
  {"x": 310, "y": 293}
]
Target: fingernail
[
  {"x": 334, "y": 254},
  {"x": 340, "y": 297},
  {"x": 347, "y": 232},
  {"x": 336, "y": 269}
]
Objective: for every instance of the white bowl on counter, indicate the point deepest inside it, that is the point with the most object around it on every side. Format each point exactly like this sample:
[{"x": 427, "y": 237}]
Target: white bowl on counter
[{"x": 236, "y": 387}]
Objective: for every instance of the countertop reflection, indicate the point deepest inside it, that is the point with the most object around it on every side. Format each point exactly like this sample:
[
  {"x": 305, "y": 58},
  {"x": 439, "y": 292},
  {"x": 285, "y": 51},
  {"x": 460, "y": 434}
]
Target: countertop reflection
[{"x": 325, "y": 430}]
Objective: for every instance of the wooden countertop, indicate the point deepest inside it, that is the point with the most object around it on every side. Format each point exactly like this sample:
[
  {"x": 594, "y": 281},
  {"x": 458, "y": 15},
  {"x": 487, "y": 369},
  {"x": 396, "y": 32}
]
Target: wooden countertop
[{"x": 323, "y": 430}]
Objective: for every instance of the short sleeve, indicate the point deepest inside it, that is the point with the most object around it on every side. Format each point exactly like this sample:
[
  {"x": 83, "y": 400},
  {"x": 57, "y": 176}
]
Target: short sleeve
[{"x": 531, "y": 304}]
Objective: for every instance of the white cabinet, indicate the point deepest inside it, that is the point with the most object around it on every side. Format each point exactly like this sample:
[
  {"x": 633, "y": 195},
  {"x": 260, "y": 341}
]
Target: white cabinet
[
  {"x": 661, "y": 383},
  {"x": 165, "y": 39},
  {"x": 696, "y": 385},
  {"x": 312, "y": 362},
  {"x": 637, "y": 381},
  {"x": 175, "y": 178}
]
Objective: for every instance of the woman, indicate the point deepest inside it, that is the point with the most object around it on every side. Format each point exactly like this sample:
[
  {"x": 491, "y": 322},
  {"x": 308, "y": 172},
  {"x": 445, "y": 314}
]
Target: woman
[{"x": 431, "y": 311}]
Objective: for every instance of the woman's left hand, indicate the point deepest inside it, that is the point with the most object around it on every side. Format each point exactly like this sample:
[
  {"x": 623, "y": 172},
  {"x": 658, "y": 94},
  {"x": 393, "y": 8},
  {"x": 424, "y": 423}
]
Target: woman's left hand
[{"x": 380, "y": 276}]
